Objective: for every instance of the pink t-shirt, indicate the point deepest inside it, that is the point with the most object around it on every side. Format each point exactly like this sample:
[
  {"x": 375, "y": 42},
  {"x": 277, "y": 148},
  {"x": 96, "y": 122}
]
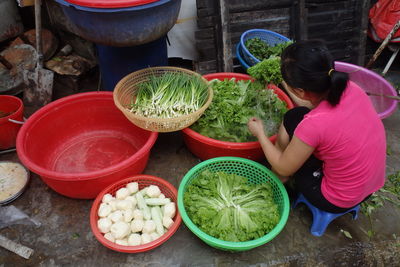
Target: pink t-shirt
[{"x": 350, "y": 140}]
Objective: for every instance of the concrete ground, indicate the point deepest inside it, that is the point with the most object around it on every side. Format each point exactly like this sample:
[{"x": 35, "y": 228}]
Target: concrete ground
[{"x": 64, "y": 237}]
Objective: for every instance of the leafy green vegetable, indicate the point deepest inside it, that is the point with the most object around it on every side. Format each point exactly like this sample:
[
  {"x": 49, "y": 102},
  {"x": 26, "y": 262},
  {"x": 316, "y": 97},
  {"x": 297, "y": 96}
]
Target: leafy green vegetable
[
  {"x": 267, "y": 71},
  {"x": 234, "y": 103},
  {"x": 227, "y": 207},
  {"x": 261, "y": 50}
]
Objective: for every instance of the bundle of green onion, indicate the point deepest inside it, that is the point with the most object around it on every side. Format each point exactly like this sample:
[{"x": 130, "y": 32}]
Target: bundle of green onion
[{"x": 169, "y": 95}]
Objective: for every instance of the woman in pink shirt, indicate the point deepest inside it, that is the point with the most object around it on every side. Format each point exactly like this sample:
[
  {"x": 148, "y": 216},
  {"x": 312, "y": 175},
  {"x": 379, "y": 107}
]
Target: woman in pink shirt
[{"x": 336, "y": 152}]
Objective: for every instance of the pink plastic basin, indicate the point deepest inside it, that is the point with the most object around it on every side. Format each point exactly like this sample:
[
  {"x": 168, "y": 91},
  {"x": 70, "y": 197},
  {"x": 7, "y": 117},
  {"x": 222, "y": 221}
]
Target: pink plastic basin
[
  {"x": 371, "y": 82},
  {"x": 82, "y": 143}
]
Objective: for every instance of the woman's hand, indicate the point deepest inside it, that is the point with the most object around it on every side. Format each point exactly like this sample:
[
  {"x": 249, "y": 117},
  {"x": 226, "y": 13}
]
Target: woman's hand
[{"x": 256, "y": 127}]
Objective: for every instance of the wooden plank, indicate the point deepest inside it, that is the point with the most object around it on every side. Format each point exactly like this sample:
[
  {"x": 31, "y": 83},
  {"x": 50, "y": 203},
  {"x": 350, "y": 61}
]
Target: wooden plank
[
  {"x": 281, "y": 28},
  {"x": 331, "y": 16},
  {"x": 205, "y": 12},
  {"x": 225, "y": 45},
  {"x": 334, "y": 5},
  {"x": 341, "y": 46},
  {"x": 320, "y": 10},
  {"x": 293, "y": 21},
  {"x": 206, "y": 67},
  {"x": 260, "y": 15},
  {"x": 325, "y": 2},
  {"x": 300, "y": 21},
  {"x": 275, "y": 20},
  {"x": 240, "y": 5},
  {"x": 344, "y": 35},
  {"x": 334, "y": 27},
  {"x": 205, "y": 4},
  {"x": 204, "y": 34},
  {"x": 206, "y": 22},
  {"x": 362, "y": 20},
  {"x": 350, "y": 39},
  {"x": 342, "y": 55},
  {"x": 205, "y": 42},
  {"x": 206, "y": 50}
]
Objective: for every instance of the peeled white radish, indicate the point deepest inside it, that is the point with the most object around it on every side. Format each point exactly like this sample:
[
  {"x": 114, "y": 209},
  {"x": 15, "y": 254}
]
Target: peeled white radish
[{"x": 120, "y": 230}]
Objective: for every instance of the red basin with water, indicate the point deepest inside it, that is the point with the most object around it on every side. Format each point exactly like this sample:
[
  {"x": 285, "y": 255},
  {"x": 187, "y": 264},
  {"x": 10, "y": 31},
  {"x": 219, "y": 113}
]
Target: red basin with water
[{"x": 82, "y": 143}]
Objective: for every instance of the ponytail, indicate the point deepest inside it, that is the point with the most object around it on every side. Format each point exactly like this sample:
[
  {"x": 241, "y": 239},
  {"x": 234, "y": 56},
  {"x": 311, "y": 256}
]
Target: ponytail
[
  {"x": 310, "y": 66},
  {"x": 338, "y": 84}
]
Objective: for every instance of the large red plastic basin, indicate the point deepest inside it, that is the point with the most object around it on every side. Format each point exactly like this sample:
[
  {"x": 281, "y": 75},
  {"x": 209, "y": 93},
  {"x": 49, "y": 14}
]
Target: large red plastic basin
[
  {"x": 82, "y": 143},
  {"x": 205, "y": 148},
  {"x": 10, "y": 124}
]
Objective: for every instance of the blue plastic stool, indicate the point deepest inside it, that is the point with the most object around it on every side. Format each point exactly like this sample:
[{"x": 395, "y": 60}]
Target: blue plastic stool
[{"x": 321, "y": 219}]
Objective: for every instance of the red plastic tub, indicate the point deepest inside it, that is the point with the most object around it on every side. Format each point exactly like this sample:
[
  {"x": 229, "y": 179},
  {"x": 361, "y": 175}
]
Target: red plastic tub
[
  {"x": 11, "y": 119},
  {"x": 205, "y": 148},
  {"x": 82, "y": 143}
]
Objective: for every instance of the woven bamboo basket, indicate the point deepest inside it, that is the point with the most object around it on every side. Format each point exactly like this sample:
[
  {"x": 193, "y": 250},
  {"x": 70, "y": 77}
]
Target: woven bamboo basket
[{"x": 125, "y": 92}]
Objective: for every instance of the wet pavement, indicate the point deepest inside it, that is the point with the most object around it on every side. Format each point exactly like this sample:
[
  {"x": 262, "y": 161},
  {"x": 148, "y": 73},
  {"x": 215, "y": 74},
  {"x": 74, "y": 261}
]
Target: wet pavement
[{"x": 64, "y": 237}]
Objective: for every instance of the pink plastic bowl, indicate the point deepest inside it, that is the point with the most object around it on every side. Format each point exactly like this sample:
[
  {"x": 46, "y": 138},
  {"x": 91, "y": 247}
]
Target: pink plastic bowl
[
  {"x": 205, "y": 148},
  {"x": 82, "y": 143},
  {"x": 371, "y": 82}
]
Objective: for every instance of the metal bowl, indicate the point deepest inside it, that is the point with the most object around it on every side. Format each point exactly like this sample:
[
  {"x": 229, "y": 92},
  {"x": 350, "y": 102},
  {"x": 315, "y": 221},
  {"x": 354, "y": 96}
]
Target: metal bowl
[{"x": 3, "y": 175}]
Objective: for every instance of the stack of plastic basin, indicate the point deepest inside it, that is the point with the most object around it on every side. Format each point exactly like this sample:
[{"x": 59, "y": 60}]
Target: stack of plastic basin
[
  {"x": 244, "y": 56},
  {"x": 129, "y": 34}
]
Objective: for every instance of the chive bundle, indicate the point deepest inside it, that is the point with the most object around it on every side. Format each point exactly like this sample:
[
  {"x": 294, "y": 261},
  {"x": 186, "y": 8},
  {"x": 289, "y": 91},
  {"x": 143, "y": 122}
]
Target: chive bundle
[{"x": 169, "y": 95}]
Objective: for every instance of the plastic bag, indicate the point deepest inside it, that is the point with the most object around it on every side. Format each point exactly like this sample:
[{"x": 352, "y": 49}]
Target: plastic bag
[
  {"x": 10, "y": 215},
  {"x": 383, "y": 16}
]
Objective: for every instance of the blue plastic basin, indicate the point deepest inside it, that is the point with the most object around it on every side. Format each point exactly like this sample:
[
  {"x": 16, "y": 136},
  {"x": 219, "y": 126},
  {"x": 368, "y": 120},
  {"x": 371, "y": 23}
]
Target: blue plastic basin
[{"x": 123, "y": 26}]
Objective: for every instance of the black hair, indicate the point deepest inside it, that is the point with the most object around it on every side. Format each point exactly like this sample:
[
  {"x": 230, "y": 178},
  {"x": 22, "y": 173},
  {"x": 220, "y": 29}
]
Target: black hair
[{"x": 309, "y": 65}]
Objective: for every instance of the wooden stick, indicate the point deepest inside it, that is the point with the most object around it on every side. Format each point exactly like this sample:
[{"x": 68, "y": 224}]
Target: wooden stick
[
  {"x": 5, "y": 62},
  {"x": 18, "y": 249},
  {"x": 24, "y": 3},
  {"x": 383, "y": 45},
  {"x": 38, "y": 33},
  {"x": 387, "y": 96}
]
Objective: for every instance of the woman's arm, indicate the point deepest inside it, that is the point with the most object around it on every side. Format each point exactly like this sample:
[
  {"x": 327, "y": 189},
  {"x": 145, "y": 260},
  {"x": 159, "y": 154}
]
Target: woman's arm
[{"x": 287, "y": 161}]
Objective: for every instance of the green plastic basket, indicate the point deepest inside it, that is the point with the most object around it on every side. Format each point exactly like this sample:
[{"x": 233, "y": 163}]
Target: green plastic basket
[{"x": 255, "y": 173}]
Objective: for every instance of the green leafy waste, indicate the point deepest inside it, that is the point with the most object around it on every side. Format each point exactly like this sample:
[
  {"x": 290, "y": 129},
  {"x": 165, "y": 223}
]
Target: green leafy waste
[
  {"x": 228, "y": 207},
  {"x": 390, "y": 192},
  {"x": 234, "y": 103}
]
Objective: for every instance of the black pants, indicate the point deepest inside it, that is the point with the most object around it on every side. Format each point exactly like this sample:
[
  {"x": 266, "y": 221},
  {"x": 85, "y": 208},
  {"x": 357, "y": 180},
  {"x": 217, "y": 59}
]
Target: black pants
[{"x": 307, "y": 180}]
